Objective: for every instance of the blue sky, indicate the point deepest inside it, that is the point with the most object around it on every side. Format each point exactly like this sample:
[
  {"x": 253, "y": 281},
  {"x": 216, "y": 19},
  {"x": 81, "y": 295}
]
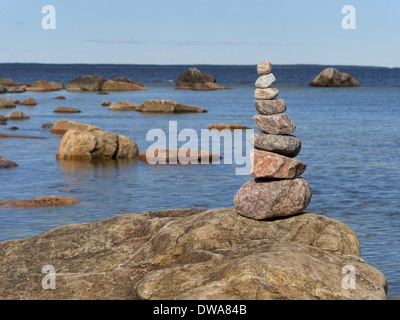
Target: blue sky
[{"x": 202, "y": 32}]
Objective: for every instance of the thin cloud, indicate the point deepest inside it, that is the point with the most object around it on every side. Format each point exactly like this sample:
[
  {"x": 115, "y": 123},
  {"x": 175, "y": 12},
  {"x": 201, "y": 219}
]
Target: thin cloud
[{"x": 175, "y": 43}]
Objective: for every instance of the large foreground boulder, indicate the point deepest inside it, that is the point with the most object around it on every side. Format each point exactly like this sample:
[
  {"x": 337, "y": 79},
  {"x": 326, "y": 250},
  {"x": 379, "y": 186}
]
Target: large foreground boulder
[
  {"x": 191, "y": 254},
  {"x": 332, "y": 77},
  {"x": 195, "y": 79},
  {"x": 95, "y": 144},
  {"x": 168, "y": 106}
]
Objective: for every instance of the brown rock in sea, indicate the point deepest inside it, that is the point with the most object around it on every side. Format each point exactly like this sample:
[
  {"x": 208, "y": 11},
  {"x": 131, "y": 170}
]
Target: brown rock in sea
[
  {"x": 59, "y": 98},
  {"x": 279, "y": 123},
  {"x": 195, "y": 79},
  {"x": 264, "y": 198},
  {"x": 3, "y": 89},
  {"x": 268, "y": 107},
  {"x": 332, "y": 77},
  {"x": 6, "y": 103},
  {"x": 178, "y": 156},
  {"x": 67, "y": 110},
  {"x": 86, "y": 83},
  {"x": 223, "y": 126},
  {"x": 17, "y": 115},
  {"x": 46, "y": 201},
  {"x": 6, "y": 163},
  {"x": 168, "y": 106},
  {"x": 285, "y": 144},
  {"x": 271, "y": 165},
  {"x": 264, "y": 68},
  {"x": 106, "y": 103},
  {"x": 7, "y": 82},
  {"x": 47, "y": 125},
  {"x": 112, "y": 85},
  {"x": 123, "y": 106},
  {"x": 62, "y": 126},
  {"x": 266, "y": 94},
  {"x": 207, "y": 86},
  {"x": 28, "y": 102},
  {"x": 191, "y": 254},
  {"x": 95, "y": 144},
  {"x": 45, "y": 86}
]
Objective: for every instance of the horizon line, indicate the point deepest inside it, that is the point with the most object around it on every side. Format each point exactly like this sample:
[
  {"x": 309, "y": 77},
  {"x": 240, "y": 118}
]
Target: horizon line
[{"x": 197, "y": 64}]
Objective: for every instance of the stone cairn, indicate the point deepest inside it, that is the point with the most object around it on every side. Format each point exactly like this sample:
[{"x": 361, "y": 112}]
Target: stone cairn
[{"x": 276, "y": 190}]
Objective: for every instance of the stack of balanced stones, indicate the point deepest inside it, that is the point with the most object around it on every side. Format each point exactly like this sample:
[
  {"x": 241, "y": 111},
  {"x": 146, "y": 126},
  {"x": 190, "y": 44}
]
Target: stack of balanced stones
[{"x": 276, "y": 190}]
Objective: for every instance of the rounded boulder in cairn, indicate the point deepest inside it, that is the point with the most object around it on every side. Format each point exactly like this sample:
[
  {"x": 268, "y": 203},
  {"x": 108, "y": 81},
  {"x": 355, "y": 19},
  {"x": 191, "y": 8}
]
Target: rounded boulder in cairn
[
  {"x": 265, "y": 81},
  {"x": 261, "y": 199},
  {"x": 264, "y": 68},
  {"x": 279, "y": 123},
  {"x": 266, "y": 94},
  {"x": 285, "y": 144},
  {"x": 268, "y": 107}
]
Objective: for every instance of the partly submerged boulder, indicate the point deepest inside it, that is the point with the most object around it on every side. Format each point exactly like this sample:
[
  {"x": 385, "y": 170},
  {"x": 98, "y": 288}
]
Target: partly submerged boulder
[
  {"x": 6, "y": 163},
  {"x": 122, "y": 84},
  {"x": 6, "y": 103},
  {"x": 95, "y": 144},
  {"x": 123, "y": 106},
  {"x": 332, "y": 77},
  {"x": 223, "y": 126},
  {"x": 7, "y": 82},
  {"x": 45, "y": 201},
  {"x": 195, "y": 79},
  {"x": 17, "y": 115},
  {"x": 168, "y": 106},
  {"x": 67, "y": 110},
  {"x": 86, "y": 83},
  {"x": 178, "y": 156},
  {"x": 43, "y": 86},
  {"x": 191, "y": 254},
  {"x": 62, "y": 126}
]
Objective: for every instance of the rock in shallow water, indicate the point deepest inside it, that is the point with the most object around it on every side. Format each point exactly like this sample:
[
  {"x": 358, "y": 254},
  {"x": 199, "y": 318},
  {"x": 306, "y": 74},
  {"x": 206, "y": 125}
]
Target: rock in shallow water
[
  {"x": 46, "y": 201},
  {"x": 95, "y": 144},
  {"x": 264, "y": 199},
  {"x": 6, "y": 163}
]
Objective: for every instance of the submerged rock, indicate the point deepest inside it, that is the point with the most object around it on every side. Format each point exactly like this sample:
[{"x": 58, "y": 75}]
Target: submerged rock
[
  {"x": 67, "y": 110},
  {"x": 223, "y": 126},
  {"x": 6, "y": 103},
  {"x": 6, "y": 163},
  {"x": 191, "y": 254},
  {"x": 332, "y": 77},
  {"x": 62, "y": 126},
  {"x": 17, "y": 115},
  {"x": 178, "y": 156},
  {"x": 86, "y": 83},
  {"x": 46, "y": 201},
  {"x": 43, "y": 86},
  {"x": 195, "y": 79},
  {"x": 168, "y": 106}
]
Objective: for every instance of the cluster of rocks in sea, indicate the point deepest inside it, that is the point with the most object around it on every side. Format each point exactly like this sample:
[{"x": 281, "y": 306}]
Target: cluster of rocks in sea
[{"x": 276, "y": 190}]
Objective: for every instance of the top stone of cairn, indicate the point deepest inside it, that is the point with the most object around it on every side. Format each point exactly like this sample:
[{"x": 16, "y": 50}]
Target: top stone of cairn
[{"x": 264, "y": 68}]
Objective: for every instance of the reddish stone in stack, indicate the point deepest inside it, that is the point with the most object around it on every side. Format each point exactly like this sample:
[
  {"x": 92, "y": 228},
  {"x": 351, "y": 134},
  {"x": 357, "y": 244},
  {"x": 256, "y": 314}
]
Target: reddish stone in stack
[{"x": 277, "y": 190}]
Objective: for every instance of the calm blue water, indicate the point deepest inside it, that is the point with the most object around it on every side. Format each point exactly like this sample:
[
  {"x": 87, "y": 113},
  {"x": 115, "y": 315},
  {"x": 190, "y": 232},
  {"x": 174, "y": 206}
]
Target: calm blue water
[{"x": 351, "y": 144}]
